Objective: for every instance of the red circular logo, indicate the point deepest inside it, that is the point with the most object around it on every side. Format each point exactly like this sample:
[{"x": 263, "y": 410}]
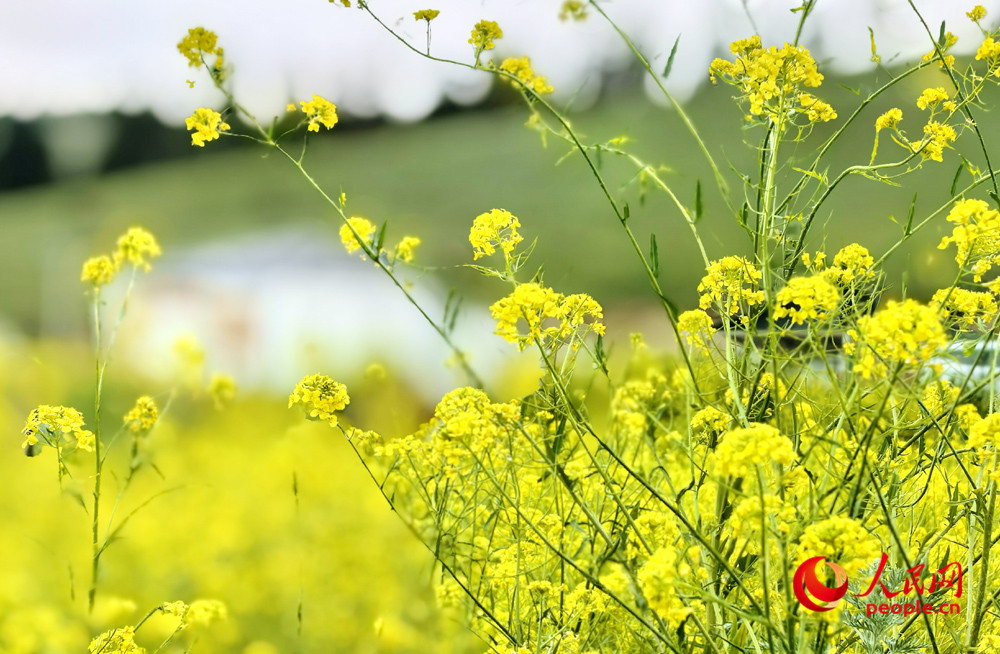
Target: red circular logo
[{"x": 806, "y": 580}]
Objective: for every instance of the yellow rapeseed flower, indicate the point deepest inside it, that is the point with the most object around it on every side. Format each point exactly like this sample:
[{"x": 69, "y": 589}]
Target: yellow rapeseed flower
[
  {"x": 765, "y": 77},
  {"x": 806, "y": 298},
  {"x": 207, "y": 126},
  {"x": 405, "y": 248},
  {"x": 547, "y": 314},
  {"x": 321, "y": 397},
  {"x": 977, "y": 13},
  {"x": 484, "y": 33},
  {"x": 852, "y": 263},
  {"x": 744, "y": 447},
  {"x": 904, "y": 332},
  {"x": 695, "y": 327},
  {"x": 320, "y": 112},
  {"x": 52, "y": 424},
  {"x": 976, "y": 236},
  {"x": 573, "y": 9},
  {"x": 222, "y": 389},
  {"x": 197, "y": 43},
  {"x": 203, "y": 612},
  {"x": 116, "y": 641},
  {"x": 889, "y": 119},
  {"x": 963, "y": 308},
  {"x": 815, "y": 109},
  {"x": 497, "y": 227},
  {"x": 732, "y": 282},
  {"x": 138, "y": 247},
  {"x": 521, "y": 68},
  {"x": 658, "y": 579},
  {"x": 949, "y": 60},
  {"x": 931, "y": 96},
  {"x": 426, "y": 14},
  {"x": 362, "y": 226},
  {"x": 143, "y": 415},
  {"x": 98, "y": 271}
]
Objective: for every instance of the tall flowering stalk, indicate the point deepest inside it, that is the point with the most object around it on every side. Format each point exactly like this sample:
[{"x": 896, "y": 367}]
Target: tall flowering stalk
[{"x": 687, "y": 506}]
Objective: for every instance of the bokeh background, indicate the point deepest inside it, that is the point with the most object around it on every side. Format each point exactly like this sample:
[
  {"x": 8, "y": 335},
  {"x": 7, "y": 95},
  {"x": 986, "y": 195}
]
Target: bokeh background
[{"x": 254, "y": 282}]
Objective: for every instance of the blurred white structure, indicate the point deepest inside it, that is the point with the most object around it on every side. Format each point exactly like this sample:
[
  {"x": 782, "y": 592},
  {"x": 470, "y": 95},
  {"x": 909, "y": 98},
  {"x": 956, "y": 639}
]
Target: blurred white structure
[{"x": 271, "y": 307}]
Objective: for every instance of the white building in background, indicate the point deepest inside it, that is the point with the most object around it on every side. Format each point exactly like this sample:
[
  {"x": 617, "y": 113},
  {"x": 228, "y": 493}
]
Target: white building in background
[{"x": 273, "y": 306}]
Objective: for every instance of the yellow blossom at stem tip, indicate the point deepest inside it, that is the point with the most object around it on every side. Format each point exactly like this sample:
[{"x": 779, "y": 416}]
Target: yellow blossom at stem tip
[
  {"x": 521, "y": 69},
  {"x": 321, "y": 397},
  {"x": 137, "y": 246},
  {"x": 98, "y": 271},
  {"x": 362, "y": 226},
  {"x": 889, "y": 119},
  {"x": 207, "y": 126},
  {"x": 143, "y": 415},
  {"x": 484, "y": 33},
  {"x": 426, "y": 14},
  {"x": 573, "y": 9},
  {"x": 497, "y": 227},
  {"x": 197, "y": 43},
  {"x": 404, "y": 251},
  {"x": 320, "y": 112}
]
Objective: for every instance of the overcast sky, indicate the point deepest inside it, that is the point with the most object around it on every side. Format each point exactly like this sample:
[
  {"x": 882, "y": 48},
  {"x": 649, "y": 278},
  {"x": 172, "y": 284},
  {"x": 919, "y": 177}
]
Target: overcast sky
[{"x": 66, "y": 56}]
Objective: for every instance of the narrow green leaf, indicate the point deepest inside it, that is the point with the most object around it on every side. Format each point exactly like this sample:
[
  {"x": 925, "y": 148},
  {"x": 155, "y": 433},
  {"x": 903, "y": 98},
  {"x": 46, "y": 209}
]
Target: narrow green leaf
[
  {"x": 699, "y": 205},
  {"x": 941, "y": 37},
  {"x": 670, "y": 59},
  {"x": 454, "y": 315},
  {"x": 625, "y": 212},
  {"x": 744, "y": 214},
  {"x": 954, "y": 181},
  {"x": 600, "y": 354},
  {"x": 971, "y": 167},
  {"x": 380, "y": 238},
  {"x": 654, "y": 256},
  {"x": 909, "y": 216}
]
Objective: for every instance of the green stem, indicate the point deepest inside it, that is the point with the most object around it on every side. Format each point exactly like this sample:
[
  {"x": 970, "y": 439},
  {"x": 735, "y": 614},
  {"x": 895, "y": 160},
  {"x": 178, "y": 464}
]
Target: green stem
[{"x": 98, "y": 462}]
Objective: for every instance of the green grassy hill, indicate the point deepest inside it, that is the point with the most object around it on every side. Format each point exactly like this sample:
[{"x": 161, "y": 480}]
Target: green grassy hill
[{"x": 432, "y": 179}]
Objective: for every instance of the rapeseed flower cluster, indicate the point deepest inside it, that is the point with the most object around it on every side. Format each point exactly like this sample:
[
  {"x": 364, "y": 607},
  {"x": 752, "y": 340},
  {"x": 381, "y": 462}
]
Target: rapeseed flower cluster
[
  {"x": 321, "y": 397},
  {"x": 197, "y": 44},
  {"x": 56, "y": 426},
  {"x": 769, "y": 80},
  {"x": 534, "y": 313},
  {"x": 141, "y": 418},
  {"x": 207, "y": 125},
  {"x": 806, "y": 298},
  {"x": 573, "y": 9},
  {"x": 521, "y": 69},
  {"x": 695, "y": 327},
  {"x": 363, "y": 227},
  {"x": 733, "y": 283},
  {"x": 964, "y": 309},
  {"x": 484, "y": 34},
  {"x": 976, "y": 235},
  {"x": 319, "y": 111},
  {"x": 493, "y": 229},
  {"x": 426, "y": 14},
  {"x": 903, "y": 333},
  {"x": 136, "y": 246},
  {"x": 743, "y": 448}
]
